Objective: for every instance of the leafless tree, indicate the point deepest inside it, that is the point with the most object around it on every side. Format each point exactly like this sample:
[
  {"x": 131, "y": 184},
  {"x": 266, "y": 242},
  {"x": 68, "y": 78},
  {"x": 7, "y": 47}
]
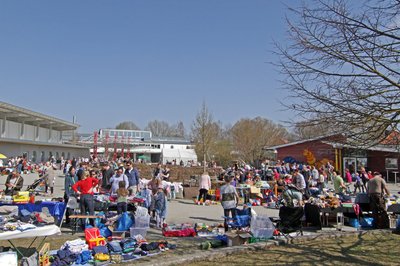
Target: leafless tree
[
  {"x": 159, "y": 128},
  {"x": 341, "y": 66},
  {"x": 129, "y": 125},
  {"x": 204, "y": 131},
  {"x": 250, "y": 136},
  {"x": 164, "y": 129}
]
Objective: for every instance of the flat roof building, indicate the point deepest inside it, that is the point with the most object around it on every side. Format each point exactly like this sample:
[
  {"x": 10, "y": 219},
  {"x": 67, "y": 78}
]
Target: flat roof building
[
  {"x": 140, "y": 144},
  {"x": 36, "y": 136}
]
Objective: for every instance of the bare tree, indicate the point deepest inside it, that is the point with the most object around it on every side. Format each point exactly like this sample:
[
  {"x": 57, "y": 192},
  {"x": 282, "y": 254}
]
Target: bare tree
[
  {"x": 250, "y": 136},
  {"x": 164, "y": 129},
  {"x": 129, "y": 125},
  {"x": 341, "y": 66},
  {"x": 305, "y": 130},
  {"x": 159, "y": 128},
  {"x": 204, "y": 133},
  {"x": 179, "y": 129}
]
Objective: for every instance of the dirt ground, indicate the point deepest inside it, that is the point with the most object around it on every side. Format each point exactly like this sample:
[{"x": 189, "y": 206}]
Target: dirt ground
[{"x": 368, "y": 249}]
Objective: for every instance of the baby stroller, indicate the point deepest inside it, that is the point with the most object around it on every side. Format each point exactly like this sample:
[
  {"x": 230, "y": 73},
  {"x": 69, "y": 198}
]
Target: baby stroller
[
  {"x": 241, "y": 220},
  {"x": 290, "y": 221},
  {"x": 38, "y": 185}
]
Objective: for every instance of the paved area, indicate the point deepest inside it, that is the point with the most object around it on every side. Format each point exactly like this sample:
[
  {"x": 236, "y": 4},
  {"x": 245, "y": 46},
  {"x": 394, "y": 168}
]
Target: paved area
[{"x": 179, "y": 210}]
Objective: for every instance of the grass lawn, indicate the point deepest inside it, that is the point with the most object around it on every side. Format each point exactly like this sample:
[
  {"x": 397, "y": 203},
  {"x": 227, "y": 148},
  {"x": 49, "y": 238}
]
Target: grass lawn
[{"x": 369, "y": 249}]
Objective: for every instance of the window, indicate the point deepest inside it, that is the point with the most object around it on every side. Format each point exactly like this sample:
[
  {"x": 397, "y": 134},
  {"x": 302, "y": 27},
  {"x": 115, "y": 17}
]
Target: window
[
  {"x": 69, "y": 156},
  {"x": 42, "y": 156},
  {"x": 34, "y": 155},
  {"x": 391, "y": 163},
  {"x": 63, "y": 155},
  {"x": 57, "y": 155}
]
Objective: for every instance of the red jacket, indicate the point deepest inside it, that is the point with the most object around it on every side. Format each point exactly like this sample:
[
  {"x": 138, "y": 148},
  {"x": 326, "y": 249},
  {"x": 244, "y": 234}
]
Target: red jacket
[{"x": 86, "y": 186}]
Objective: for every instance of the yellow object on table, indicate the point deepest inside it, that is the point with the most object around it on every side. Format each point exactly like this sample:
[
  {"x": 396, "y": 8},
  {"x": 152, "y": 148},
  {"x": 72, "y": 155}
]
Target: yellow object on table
[{"x": 22, "y": 196}]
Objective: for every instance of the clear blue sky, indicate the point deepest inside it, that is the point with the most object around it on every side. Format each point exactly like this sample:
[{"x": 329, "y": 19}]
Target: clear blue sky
[{"x": 111, "y": 61}]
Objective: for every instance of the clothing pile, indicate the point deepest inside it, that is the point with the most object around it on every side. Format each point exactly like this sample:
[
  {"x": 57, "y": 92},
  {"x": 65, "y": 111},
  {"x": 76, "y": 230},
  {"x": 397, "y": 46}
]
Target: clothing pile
[
  {"x": 75, "y": 246},
  {"x": 116, "y": 251},
  {"x": 179, "y": 230}
]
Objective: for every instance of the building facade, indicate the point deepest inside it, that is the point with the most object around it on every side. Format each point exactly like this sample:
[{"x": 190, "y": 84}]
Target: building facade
[
  {"x": 35, "y": 136},
  {"x": 332, "y": 149},
  {"x": 140, "y": 145}
]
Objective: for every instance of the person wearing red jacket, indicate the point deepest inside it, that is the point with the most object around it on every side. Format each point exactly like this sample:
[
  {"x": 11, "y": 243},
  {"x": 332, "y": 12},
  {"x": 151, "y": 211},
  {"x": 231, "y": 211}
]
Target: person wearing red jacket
[{"x": 84, "y": 188}]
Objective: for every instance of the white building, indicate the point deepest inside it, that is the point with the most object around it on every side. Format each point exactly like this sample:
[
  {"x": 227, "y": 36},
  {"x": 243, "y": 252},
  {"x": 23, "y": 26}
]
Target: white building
[
  {"x": 141, "y": 144},
  {"x": 34, "y": 135}
]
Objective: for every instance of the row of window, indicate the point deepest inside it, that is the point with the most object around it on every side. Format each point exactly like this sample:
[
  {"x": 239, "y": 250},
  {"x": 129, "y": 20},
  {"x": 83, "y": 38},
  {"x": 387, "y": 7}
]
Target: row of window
[
  {"x": 42, "y": 156},
  {"x": 125, "y": 133}
]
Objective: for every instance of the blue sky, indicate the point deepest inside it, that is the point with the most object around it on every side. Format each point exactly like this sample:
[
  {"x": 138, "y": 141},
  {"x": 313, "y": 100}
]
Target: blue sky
[{"x": 111, "y": 61}]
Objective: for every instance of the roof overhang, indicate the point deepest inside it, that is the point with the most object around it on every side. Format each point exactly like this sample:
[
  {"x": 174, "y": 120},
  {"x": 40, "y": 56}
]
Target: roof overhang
[{"x": 22, "y": 115}]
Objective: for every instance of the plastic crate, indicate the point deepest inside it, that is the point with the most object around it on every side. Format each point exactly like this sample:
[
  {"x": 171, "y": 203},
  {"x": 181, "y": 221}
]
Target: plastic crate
[
  {"x": 142, "y": 221},
  {"x": 262, "y": 227},
  {"x": 138, "y": 231},
  {"x": 263, "y": 232}
]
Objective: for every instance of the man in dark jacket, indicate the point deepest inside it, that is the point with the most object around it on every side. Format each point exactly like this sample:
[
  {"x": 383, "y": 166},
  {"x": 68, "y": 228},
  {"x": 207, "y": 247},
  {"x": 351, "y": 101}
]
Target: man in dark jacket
[
  {"x": 14, "y": 183},
  {"x": 377, "y": 188},
  {"x": 133, "y": 177},
  {"x": 107, "y": 173}
]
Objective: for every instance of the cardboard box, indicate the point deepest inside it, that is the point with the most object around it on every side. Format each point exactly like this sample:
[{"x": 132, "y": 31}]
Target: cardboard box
[{"x": 238, "y": 238}]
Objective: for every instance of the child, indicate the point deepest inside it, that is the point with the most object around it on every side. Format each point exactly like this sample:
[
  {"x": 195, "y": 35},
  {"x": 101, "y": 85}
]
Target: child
[
  {"x": 122, "y": 193},
  {"x": 160, "y": 206},
  {"x": 357, "y": 183}
]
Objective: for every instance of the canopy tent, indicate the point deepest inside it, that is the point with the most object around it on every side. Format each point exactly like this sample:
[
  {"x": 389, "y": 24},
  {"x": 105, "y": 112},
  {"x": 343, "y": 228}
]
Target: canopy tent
[
  {"x": 178, "y": 155},
  {"x": 2, "y": 156}
]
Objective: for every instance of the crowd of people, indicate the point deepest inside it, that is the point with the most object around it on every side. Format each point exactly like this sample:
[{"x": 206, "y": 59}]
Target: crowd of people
[
  {"x": 121, "y": 179},
  {"x": 299, "y": 182}
]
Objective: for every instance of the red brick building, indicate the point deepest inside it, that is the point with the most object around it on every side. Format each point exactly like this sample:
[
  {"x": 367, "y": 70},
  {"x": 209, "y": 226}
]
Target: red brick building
[{"x": 319, "y": 151}]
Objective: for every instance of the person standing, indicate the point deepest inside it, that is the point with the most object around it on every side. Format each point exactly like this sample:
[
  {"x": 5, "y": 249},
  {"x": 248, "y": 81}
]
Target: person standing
[
  {"x": 300, "y": 181},
  {"x": 349, "y": 178},
  {"x": 165, "y": 173},
  {"x": 50, "y": 176},
  {"x": 376, "y": 189},
  {"x": 205, "y": 185},
  {"x": 160, "y": 206},
  {"x": 357, "y": 183},
  {"x": 84, "y": 188},
  {"x": 133, "y": 178},
  {"x": 122, "y": 201},
  {"x": 338, "y": 183},
  {"x": 154, "y": 185},
  {"x": 364, "y": 178},
  {"x": 107, "y": 173},
  {"x": 115, "y": 179},
  {"x": 229, "y": 199},
  {"x": 157, "y": 171},
  {"x": 70, "y": 179}
]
